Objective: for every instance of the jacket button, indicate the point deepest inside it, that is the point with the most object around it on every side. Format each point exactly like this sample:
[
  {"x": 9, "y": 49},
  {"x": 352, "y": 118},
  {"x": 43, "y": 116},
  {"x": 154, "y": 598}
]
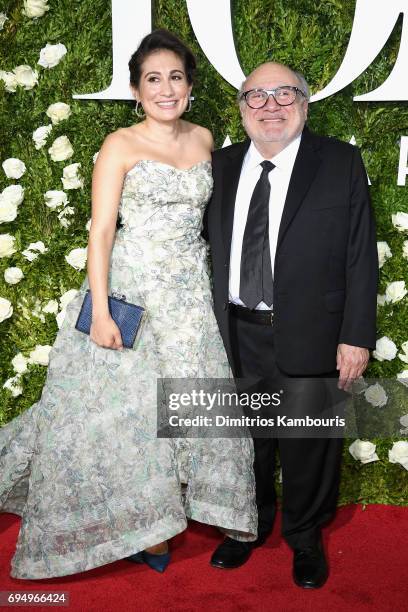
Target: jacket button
[{"x": 225, "y": 306}]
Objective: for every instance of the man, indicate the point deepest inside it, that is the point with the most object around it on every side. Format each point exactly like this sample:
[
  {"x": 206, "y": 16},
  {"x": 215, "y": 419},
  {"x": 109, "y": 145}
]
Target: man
[{"x": 295, "y": 280}]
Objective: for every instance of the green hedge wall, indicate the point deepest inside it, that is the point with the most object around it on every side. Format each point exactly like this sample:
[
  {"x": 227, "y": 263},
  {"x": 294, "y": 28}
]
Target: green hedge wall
[{"x": 310, "y": 35}]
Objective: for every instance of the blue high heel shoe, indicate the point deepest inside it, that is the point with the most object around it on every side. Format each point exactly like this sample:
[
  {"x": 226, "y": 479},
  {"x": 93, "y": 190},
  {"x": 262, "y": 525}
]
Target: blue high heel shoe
[{"x": 156, "y": 562}]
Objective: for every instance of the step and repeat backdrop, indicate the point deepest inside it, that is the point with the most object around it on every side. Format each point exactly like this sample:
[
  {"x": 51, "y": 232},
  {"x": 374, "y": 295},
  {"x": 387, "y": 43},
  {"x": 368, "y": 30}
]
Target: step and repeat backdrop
[{"x": 64, "y": 87}]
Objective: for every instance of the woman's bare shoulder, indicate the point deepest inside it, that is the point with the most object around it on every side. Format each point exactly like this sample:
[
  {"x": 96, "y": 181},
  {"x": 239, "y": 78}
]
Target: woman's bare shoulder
[
  {"x": 120, "y": 144},
  {"x": 200, "y": 132},
  {"x": 122, "y": 137}
]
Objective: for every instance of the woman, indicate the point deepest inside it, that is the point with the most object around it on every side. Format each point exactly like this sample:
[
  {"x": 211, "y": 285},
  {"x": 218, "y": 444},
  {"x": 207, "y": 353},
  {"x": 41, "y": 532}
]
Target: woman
[{"x": 83, "y": 466}]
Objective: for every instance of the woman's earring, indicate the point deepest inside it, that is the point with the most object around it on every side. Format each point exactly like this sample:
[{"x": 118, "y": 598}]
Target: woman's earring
[
  {"x": 139, "y": 114},
  {"x": 190, "y": 100}
]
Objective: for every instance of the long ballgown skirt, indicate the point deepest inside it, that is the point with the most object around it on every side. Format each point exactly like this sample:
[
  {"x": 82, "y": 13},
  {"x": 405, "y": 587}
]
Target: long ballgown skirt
[{"x": 83, "y": 466}]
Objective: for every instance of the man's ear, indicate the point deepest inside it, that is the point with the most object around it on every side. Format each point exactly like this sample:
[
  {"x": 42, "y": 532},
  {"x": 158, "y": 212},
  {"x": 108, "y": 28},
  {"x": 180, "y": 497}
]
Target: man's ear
[{"x": 306, "y": 109}]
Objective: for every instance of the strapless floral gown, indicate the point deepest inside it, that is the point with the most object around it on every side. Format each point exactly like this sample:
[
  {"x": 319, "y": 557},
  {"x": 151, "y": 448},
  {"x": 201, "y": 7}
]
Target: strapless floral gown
[{"x": 83, "y": 466}]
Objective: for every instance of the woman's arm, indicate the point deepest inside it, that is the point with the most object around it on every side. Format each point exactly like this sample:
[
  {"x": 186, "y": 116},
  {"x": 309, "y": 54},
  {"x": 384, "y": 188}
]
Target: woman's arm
[{"x": 107, "y": 183}]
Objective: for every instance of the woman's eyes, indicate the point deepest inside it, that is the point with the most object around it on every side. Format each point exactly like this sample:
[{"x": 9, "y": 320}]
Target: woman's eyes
[{"x": 174, "y": 77}]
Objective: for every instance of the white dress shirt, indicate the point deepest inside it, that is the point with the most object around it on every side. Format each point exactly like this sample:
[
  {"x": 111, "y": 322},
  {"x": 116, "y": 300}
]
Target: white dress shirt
[{"x": 279, "y": 179}]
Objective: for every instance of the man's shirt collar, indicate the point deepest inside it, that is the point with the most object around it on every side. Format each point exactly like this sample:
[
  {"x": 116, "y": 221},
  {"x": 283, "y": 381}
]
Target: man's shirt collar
[{"x": 284, "y": 160}]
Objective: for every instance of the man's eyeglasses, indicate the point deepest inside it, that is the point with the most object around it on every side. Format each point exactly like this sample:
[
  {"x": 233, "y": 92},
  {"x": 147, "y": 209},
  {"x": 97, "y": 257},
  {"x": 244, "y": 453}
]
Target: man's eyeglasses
[{"x": 284, "y": 96}]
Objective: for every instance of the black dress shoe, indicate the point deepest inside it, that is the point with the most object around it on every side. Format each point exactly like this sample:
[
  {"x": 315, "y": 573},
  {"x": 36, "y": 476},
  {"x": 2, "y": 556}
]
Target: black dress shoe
[
  {"x": 310, "y": 569},
  {"x": 231, "y": 553}
]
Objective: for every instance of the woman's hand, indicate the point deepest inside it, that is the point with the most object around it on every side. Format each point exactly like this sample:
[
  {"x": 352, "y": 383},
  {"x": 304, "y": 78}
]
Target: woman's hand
[{"x": 105, "y": 333}]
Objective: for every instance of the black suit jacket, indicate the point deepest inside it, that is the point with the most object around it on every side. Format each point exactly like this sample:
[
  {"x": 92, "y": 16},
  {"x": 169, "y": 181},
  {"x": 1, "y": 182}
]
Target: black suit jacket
[{"x": 326, "y": 266}]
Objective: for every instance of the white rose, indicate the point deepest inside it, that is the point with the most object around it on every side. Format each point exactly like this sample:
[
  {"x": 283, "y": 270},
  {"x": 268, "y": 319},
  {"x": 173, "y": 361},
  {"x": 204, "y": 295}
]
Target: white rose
[
  {"x": 399, "y": 453},
  {"x": 40, "y": 135},
  {"x": 404, "y": 423},
  {"x": 7, "y": 245},
  {"x": 12, "y": 276},
  {"x": 60, "y": 318},
  {"x": 400, "y": 221},
  {"x": 3, "y": 19},
  {"x": 88, "y": 225},
  {"x": 376, "y": 395},
  {"x": 381, "y": 300},
  {"x": 19, "y": 363},
  {"x": 9, "y": 79},
  {"x": 35, "y": 8},
  {"x": 405, "y": 249},
  {"x": 8, "y": 212},
  {"x": 29, "y": 255},
  {"x": 404, "y": 420},
  {"x": 364, "y": 451},
  {"x": 64, "y": 222},
  {"x": 58, "y": 112},
  {"x": 10, "y": 198},
  {"x": 33, "y": 249},
  {"x": 51, "y": 307},
  {"x": 61, "y": 149},
  {"x": 6, "y": 309},
  {"x": 404, "y": 355},
  {"x": 67, "y": 297},
  {"x": 66, "y": 212},
  {"x": 37, "y": 246},
  {"x": 70, "y": 179},
  {"x": 55, "y": 198},
  {"x": 385, "y": 349},
  {"x": 13, "y": 194},
  {"x": 77, "y": 258},
  {"x": 40, "y": 355},
  {"x": 26, "y": 76},
  {"x": 12, "y": 385},
  {"x": 402, "y": 377},
  {"x": 395, "y": 291},
  {"x": 14, "y": 168},
  {"x": 95, "y": 156},
  {"x": 384, "y": 253},
  {"x": 51, "y": 55}
]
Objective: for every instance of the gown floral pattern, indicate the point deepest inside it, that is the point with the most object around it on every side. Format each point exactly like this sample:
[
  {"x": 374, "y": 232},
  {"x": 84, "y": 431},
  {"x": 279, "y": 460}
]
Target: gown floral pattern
[{"x": 83, "y": 466}]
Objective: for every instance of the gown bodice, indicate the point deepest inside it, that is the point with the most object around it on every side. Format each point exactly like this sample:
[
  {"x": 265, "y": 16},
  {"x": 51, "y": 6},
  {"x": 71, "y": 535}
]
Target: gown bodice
[
  {"x": 162, "y": 203},
  {"x": 161, "y": 211}
]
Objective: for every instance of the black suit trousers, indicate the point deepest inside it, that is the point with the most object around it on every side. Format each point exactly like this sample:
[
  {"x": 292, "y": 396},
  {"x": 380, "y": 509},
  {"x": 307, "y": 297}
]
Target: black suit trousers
[{"x": 310, "y": 466}]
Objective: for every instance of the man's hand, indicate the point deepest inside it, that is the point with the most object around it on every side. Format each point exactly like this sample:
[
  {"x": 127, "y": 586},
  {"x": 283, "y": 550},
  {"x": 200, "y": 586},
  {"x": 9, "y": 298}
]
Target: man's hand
[{"x": 351, "y": 361}]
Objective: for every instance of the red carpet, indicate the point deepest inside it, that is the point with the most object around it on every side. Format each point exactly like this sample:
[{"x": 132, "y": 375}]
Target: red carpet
[{"x": 368, "y": 552}]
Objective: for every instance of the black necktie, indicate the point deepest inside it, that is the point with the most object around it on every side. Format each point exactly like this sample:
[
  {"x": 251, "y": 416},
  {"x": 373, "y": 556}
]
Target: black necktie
[{"x": 256, "y": 282}]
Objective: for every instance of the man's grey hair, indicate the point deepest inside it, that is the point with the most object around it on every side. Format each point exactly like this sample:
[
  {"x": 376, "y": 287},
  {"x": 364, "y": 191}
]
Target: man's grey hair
[{"x": 303, "y": 84}]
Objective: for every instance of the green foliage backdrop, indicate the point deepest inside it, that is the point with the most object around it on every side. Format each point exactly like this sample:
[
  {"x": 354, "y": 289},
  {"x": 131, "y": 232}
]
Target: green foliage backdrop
[{"x": 309, "y": 35}]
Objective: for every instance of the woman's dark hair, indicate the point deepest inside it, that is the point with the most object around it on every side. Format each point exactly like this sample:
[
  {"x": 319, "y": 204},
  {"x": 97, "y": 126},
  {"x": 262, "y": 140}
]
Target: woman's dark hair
[{"x": 161, "y": 40}]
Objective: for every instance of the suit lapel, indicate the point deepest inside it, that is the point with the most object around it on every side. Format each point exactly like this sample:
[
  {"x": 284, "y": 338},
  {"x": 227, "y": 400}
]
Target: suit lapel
[
  {"x": 232, "y": 172},
  {"x": 304, "y": 171}
]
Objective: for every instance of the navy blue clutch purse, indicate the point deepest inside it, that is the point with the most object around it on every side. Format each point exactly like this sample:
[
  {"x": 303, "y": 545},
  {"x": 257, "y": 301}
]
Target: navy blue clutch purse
[{"x": 127, "y": 317}]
